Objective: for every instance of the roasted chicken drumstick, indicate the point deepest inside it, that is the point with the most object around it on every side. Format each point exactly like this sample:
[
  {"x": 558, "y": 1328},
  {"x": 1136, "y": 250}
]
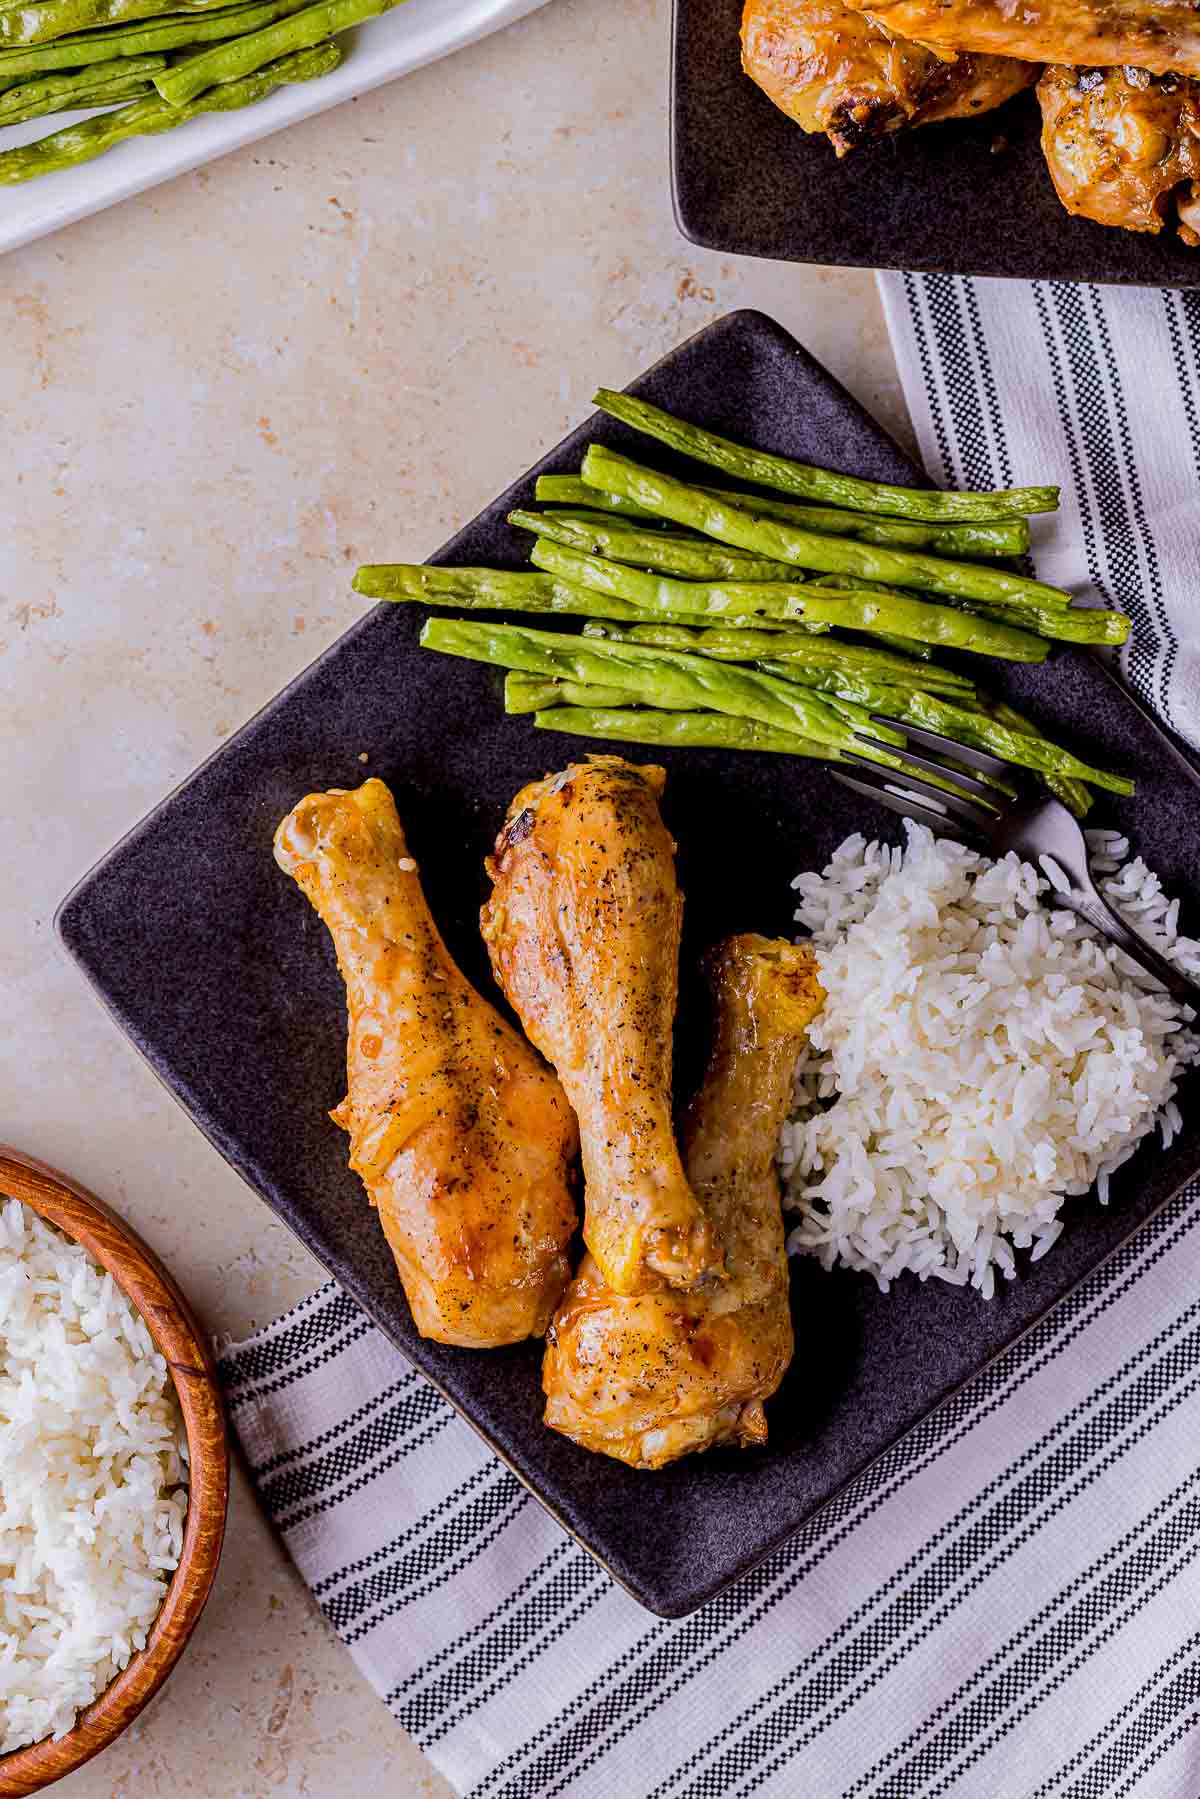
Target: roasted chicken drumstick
[
  {"x": 1123, "y": 147},
  {"x": 1159, "y": 35},
  {"x": 462, "y": 1136},
  {"x": 652, "y": 1377},
  {"x": 838, "y": 71},
  {"x": 583, "y": 931}
]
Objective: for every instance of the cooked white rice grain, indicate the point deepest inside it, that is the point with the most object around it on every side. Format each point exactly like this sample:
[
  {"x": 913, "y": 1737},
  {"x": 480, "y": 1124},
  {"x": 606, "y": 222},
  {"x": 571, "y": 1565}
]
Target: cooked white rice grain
[
  {"x": 981, "y": 1054},
  {"x": 93, "y": 1472}
]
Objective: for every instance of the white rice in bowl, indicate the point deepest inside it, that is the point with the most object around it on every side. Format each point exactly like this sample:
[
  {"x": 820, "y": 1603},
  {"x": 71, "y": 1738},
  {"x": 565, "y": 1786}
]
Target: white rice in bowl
[
  {"x": 93, "y": 1473},
  {"x": 981, "y": 1055}
]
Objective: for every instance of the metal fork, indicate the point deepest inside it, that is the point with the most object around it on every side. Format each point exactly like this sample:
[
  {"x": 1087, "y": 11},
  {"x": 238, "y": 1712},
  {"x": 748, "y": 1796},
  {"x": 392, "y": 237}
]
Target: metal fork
[{"x": 1035, "y": 825}]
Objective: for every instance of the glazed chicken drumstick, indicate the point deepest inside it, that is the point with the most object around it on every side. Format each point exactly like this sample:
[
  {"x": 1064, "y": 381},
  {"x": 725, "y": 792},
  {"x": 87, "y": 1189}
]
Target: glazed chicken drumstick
[
  {"x": 655, "y": 1376},
  {"x": 837, "y": 71},
  {"x": 1123, "y": 147},
  {"x": 462, "y": 1136},
  {"x": 583, "y": 931},
  {"x": 1159, "y": 35}
]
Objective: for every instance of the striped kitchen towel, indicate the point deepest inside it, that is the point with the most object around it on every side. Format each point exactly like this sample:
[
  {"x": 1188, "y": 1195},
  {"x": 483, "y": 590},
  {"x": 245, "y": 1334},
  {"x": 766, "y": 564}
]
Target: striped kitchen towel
[
  {"x": 1014, "y": 381},
  {"x": 1007, "y": 1605}
]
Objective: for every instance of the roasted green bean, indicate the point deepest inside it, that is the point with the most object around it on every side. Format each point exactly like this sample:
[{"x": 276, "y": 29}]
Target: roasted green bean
[
  {"x": 666, "y": 552},
  {"x": 711, "y": 600},
  {"x": 243, "y": 56},
  {"x": 810, "y": 483},
  {"x": 505, "y": 590},
  {"x": 681, "y": 730},
  {"x": 126, "y": 41},
  {"x": 62, "y": 93},
  {"x": 660, "y": 677},
  {"x": 47, "y": 20},
  {"x": 692, "y": 507},
  {"x": 883, "y": 666},
  {"x": 111, "y": 93},
  {"x": 143, "y": 118},
  {"x": 532, "y": 693},
  {"x": 1000, "y": 537}
]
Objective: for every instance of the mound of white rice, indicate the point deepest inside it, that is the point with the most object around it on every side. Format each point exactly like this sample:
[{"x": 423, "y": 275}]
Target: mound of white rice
[
  {"x": 92, "y": 1477},
  {"x": 981, "y": 1055}
]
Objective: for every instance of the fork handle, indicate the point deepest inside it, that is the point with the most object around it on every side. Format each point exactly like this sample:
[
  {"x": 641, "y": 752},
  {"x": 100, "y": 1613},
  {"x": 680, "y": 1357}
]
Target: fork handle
[{"x": 1089, "y": 903}]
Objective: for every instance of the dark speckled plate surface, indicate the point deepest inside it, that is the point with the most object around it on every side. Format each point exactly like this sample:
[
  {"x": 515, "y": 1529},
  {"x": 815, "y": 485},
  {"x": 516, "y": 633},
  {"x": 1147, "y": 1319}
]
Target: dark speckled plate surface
[
  {"x": 971, "y": 197},
  {"x": 224, "y": 978}
]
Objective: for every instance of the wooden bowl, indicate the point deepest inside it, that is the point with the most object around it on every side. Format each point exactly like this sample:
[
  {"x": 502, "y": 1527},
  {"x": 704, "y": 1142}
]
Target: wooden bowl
[{"x": 179, "y": 1337}]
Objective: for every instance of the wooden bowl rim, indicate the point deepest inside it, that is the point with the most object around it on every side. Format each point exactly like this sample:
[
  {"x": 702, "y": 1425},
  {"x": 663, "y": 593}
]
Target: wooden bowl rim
[{"x": 180, "y": 1338}]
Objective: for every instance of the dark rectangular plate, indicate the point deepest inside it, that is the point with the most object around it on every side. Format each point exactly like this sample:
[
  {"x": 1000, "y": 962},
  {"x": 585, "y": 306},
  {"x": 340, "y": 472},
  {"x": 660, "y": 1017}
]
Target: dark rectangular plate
[
  {"x": 970, "y": 197},
  {"x": 224, "y": 978}
]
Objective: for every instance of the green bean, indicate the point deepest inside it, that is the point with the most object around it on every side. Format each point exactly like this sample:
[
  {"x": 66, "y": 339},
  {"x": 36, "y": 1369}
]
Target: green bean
[
  {"x": 530, "y": 693},
  {"x": 232, "y": 61},
  {"x": 570, "y": 490},
  {"x": 681, "y": 730},
  {"x": 904, "y": 617},
  {"x": 103, "y": 47},
  {"x": 662, "y": 678},
  {"x": 1078, "y": 624},
  {"x": 50, "y": 19},
  {"x": 801, "y": 478},
  {"x": 808, "y": 549},
  {"x": 685, "y": 728},
  {"x": 1074, "y": 794},
  {"x": 59, "y": 93},
  {"x": 143, "y": 118},
  {"x": 505, "y": 590},
  {"x": 1010, "y": 612},
  {"x": 1000, "y": 537},
  {"x": 836, "y": 678},
  {"x": 1070, "y": 624},
  {"x": 983, "y": 733},
  {"x": 694, "y": 558},
  {"x": 812, "y": 652},
  {"x": 113, "y": 93},
  {"x": 835, "y": 682},
  {"x": 923, "y": 651}
]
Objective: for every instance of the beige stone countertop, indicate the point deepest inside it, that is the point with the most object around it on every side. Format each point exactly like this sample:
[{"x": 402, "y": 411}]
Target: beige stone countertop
[{"x": 331, "y": 347}]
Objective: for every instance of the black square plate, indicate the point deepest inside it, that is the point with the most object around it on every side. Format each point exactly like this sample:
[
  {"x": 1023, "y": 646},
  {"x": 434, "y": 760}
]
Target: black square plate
[
  {"x": 225, "y": 980},
  {"x": 970, "y": 197}
]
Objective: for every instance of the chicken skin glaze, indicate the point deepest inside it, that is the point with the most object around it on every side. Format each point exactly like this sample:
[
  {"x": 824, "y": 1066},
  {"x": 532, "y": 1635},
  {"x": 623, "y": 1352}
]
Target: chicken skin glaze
[
  {"x": 583, "y": 931},
  {"x": 462, "y": 1137},
  {"x": 1122, "y": 150},
  {"x": 835, "y": 70},
  {"x": 655, "y": 1376},
  {"x": 1158, "y": 35}
]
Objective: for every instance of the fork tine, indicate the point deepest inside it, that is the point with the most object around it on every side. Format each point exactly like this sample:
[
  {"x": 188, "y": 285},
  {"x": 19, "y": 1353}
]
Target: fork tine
[
  {"x": 964, "y": 808},
  {"x": 941, "y": 822},
  {"x": 968, "y": 783},
  {"x": 948, "y": 746}
]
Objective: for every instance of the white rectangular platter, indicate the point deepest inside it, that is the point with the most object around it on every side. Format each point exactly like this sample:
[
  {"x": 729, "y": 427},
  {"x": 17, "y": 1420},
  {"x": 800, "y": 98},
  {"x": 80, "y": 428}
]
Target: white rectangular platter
[{"x": 415, "y": 33}]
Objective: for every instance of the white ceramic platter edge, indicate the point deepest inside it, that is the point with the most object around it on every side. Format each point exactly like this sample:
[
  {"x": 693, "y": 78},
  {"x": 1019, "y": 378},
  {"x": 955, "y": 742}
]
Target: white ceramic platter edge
[{"x": 415, "y": 33}]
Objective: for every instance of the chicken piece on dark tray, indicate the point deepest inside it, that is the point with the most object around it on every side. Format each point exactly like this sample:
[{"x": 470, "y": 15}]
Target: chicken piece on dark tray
[
  {"x": 1159, "y": 35},
  {"x": 462, "y": 1136},
  {"x": 655, "y": 1376},
  {"x": 583, "y": 930},
  {"x": 838, "y": 71},
  {"x": 1123, "y": 147}
]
